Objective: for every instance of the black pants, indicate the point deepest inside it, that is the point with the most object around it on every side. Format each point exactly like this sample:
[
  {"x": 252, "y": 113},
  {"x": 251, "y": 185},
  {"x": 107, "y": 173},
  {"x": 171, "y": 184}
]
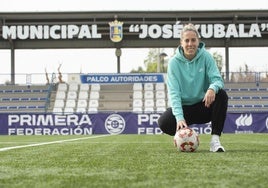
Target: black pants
[{"x": 198, "y": 114}]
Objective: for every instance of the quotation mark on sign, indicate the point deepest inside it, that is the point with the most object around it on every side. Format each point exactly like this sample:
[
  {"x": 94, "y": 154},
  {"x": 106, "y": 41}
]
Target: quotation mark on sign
[
  {"x": 264, "y": 26},
  {"x": 134, "y": 28}
]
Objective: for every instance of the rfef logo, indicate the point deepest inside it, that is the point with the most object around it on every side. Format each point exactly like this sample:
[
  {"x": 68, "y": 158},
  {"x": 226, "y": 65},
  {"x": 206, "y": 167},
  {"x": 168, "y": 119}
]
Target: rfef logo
[{"x": 115, "y": 124}]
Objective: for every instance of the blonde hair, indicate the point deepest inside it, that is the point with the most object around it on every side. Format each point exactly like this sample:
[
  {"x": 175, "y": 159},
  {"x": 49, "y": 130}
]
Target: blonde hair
[{"x": 189, "y": 27}]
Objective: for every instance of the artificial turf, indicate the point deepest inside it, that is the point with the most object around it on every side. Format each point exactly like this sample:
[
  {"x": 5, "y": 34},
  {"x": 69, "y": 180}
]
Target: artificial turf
[{"x": 132, "y": 161}]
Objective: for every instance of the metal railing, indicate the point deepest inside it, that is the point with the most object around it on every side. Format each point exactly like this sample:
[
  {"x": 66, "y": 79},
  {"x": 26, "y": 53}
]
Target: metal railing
[
  {"x": 40, "y": 78},
  {"x": 50, "y": 88}
]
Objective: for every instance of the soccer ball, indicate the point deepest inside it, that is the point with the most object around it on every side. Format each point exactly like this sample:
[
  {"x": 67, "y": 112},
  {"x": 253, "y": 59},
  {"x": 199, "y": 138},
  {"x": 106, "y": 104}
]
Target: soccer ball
[{"x": 186, "y": 140}]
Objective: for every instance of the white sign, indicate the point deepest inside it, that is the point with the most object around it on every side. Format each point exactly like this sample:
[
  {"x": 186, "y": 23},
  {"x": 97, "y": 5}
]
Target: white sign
[{"x": 154, "y": 31}]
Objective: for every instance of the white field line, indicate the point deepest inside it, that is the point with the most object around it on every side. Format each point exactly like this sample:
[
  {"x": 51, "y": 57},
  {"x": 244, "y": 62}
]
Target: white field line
[{"x": 48, "y": 143}]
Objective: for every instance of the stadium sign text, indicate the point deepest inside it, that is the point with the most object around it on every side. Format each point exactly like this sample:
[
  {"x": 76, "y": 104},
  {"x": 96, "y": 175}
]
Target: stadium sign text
[
  {"x": 117, "y": 123},
  {"x": 51, "y": 32},
  {"x": 153, "y": 31},
  {"x": 205, "y": 30},
  {"x": 49, "y": 120},
  {"x": 49, "y": 124},
  {"x": 121, "y": 78}
]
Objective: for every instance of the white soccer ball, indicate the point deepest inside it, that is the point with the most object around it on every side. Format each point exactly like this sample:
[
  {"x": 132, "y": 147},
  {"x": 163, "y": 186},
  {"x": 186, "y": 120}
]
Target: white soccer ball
[{"x": 186, "y": 140}]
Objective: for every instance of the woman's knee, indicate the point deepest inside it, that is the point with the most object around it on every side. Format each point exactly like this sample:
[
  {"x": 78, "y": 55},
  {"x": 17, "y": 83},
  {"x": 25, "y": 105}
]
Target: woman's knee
[
  {"x": 161, "y": 122},
  {"x": 223, "y": 95},
  {"x": 167, "y": 122}
]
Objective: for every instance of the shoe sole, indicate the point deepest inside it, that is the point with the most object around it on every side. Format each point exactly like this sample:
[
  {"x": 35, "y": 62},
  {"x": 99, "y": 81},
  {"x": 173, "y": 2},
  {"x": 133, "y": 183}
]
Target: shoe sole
[{"x": 218, "y": 150}]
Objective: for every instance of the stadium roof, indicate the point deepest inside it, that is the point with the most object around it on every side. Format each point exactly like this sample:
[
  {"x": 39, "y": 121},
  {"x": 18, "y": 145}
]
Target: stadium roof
[
  {"x": 140, "y": 29},
  {"x": 130, "y": 29}
]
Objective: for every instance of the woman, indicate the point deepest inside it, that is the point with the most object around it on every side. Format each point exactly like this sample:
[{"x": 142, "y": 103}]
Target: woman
[{"x": 195, "y": 89}]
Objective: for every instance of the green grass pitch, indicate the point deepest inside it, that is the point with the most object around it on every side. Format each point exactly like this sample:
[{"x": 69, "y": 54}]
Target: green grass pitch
[{"x": 132, "y": 161}]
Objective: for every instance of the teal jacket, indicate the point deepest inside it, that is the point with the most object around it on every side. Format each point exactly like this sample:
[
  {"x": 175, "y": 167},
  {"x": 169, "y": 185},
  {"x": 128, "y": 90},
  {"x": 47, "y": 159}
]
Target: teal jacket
[{"x": 188, "y": 81}]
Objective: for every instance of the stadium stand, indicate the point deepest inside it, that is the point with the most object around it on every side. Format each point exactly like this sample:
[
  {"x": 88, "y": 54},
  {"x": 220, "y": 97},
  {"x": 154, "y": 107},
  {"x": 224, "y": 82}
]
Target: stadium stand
[
  {"x": 73, "y": 87},
  {"x": 151, "y": 97},
  {"x": 84, "y": 87},
  {"x": 160, "y": 105},
  {"x": 247, "y": 97},
  {"x": 62, "y": 87},
  {"x": 135, "y": 97},
  {"x": 137, "y": 105},
  {"x": 137, "y": 87},
  {"x": 23, "y": 98},
  {"x": 148, "y": 87},
  {"x": 118, "y": 97},
  {"x": 66, "y": 98}
]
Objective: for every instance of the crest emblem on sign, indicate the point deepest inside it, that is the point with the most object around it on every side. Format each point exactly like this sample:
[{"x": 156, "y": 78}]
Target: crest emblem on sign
[{"x": 116, "y": 31}]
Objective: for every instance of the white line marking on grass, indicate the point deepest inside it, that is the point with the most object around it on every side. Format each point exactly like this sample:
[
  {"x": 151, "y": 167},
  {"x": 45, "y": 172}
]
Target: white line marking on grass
[{"x": 47, "y": 143}]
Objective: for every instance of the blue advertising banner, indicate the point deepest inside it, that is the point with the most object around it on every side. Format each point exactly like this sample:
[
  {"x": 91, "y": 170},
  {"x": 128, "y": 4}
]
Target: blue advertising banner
[
  {"x": 117, "y": 123},
  {"x": 246, "y": 123},
  {"x": 121, "y": 78}
]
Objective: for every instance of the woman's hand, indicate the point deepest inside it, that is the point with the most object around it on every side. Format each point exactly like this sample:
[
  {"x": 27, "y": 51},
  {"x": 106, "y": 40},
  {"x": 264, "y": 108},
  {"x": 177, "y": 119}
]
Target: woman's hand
[
  {"x": 209, "y": 97},
  {"x": 181, "y": 124}
]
